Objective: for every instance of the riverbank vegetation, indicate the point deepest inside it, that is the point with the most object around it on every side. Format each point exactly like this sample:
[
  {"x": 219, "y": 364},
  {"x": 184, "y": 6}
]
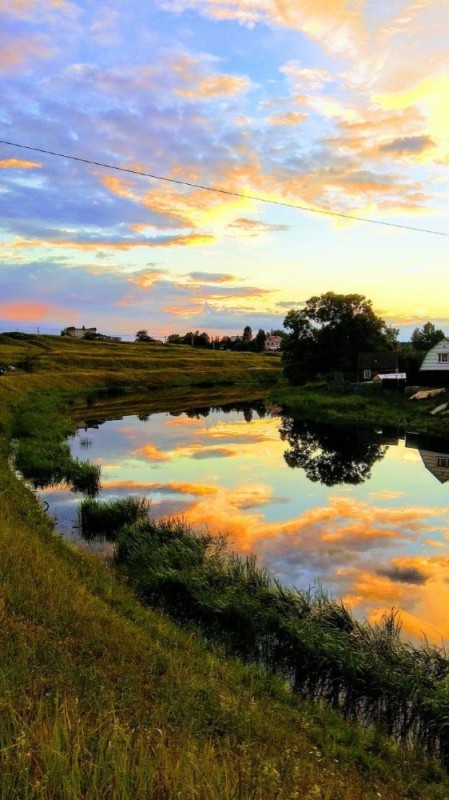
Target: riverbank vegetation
[
  {"x": 372, "y": 406},
  {"x": 105, "y": 699},
  {"x": 365, "y": 671}
]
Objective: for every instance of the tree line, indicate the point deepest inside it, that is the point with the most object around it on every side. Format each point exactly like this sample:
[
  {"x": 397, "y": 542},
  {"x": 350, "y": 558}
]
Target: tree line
[{"x": 245, "y": 342}]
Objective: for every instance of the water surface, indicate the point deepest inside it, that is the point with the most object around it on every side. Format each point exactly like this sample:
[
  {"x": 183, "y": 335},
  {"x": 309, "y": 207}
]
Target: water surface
[{"x": 363, "y": 512}]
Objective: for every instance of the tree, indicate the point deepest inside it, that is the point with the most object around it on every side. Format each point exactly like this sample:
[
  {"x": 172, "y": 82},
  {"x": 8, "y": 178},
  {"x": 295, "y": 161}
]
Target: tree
[
  {"x": 328, "y": 454},
  {"x": 259, "y": 341},
  {"x": 247, "y": 334},
  {"x": 142, "y": 336},
  {"x": 426, "y": 337},
  {"x": 201, "y": 339},
  {"x": 328, "y": 334}
]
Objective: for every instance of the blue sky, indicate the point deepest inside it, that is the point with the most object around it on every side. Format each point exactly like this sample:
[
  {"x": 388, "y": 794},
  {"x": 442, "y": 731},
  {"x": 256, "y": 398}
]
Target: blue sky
[{"x": 334, "y": 105}]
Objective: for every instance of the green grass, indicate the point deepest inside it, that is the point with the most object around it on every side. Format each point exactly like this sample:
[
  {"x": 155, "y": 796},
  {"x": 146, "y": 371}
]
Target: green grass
[
  {"x": 104, "y": 699},
  {"x": 373, "y": 407},
  {"x": 60, "y": 361}
]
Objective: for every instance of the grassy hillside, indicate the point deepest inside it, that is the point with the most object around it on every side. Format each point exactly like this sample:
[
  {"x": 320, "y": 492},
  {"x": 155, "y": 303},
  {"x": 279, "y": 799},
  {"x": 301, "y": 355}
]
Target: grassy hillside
[
  {"x": 77, "y": 363},
  {"x": 102, "y": 699}
]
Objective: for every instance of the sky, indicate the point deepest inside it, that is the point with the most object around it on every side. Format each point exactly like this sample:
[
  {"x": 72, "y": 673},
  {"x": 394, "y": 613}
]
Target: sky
[{"x": 333, "y": 105}]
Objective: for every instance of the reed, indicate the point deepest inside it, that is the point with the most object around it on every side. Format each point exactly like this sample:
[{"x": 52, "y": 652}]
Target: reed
[
  {"x": 367, "y": 672},
  {"x": 104, "y": 520}
]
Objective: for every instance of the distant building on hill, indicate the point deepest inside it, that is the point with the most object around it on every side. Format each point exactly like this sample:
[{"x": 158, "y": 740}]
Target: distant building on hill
[
  {"x": 78, "y": 333},
  {"x": 88, "y": 333},
  {"x": 273, "y": 342}
]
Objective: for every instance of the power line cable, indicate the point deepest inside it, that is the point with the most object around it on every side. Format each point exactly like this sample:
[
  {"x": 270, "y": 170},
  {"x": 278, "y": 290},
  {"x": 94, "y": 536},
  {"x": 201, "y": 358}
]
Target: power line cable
[{"x": 228, "y": 192}]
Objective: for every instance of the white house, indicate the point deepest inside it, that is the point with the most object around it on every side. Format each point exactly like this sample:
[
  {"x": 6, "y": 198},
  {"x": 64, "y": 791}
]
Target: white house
[
  {"x": 434, "y": 370},
  {"x": 273, "y": 342},
  {"x": 437, "y": 357}
]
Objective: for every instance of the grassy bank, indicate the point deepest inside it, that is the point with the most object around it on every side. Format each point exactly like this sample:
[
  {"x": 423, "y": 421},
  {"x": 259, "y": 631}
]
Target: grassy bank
[
  {"x": 373, "y": 407},
  {"x": 103, "y": 699}
]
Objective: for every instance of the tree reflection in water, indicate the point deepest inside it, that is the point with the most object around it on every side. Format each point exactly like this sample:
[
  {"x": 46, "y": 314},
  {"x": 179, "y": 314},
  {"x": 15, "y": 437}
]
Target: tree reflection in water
[{"x": 331, "y": 455}]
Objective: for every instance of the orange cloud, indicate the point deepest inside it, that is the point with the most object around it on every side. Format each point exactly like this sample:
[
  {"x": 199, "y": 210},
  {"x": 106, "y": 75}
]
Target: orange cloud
[
  {"x": 15, "y": 54},
  {"x": 254, "y": 227},
  {"x": 22, "y": 311},
  {"x": 354, "y": 534},
  {"x": 146, "y": 279},
  {"x": 22, "y": 8},
  {"x": 190, "y": 240},
  {"x": 386, "y": 494},
  {"x": 287, "y": 118},
  {"x": 200, "y": 451},
  {"x": 17, "y": 163},
  {"x": 205, "y": 85},
  {"x": 119, "y": 246},
  {"x": 215, "y": 86},
  {"x": 374, "y": 587},
  {"x": 196, "y": 489},
  {"x": 119, "y": 186},
  {"x": 152, "y": 453}
]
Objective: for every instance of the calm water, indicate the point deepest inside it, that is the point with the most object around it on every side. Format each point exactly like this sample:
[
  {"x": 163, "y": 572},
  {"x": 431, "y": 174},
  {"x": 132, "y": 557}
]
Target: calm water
[{"x": 364, "y": 513}]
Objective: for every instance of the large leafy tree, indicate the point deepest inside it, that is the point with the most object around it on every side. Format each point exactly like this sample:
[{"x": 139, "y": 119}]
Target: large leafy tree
[{"x": 328, "y": 334}]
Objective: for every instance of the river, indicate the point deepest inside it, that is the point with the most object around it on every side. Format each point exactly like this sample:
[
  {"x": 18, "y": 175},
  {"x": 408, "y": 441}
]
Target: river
[{"x": 363, "y": 513}]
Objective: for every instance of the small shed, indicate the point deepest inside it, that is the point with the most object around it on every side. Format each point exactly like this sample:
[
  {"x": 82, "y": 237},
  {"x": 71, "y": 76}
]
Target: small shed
[
  {"x": 434, "y": 370},
  {"x": 376, "y": 363},
  {"x": 391, "y": 380}
]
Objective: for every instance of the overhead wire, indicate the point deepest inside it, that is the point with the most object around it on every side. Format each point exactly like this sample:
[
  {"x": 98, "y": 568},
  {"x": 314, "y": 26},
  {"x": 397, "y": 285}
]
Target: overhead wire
[{"x": 228, "y": 192}]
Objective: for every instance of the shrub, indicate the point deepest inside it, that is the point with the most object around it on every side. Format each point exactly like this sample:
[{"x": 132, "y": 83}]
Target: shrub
[{"x": 103, "y": 520}]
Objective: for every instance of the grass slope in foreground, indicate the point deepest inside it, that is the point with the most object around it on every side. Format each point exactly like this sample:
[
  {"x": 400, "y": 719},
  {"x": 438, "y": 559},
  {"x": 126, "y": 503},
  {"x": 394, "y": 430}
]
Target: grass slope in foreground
[{"x": 101, "y": 699}]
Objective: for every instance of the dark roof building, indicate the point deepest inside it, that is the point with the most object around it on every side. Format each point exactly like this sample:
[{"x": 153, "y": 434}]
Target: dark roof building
[{"x": 376, "y": 363}]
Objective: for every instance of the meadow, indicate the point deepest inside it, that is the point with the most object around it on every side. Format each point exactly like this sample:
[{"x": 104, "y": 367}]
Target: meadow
[{"x": 105, "y": 698}]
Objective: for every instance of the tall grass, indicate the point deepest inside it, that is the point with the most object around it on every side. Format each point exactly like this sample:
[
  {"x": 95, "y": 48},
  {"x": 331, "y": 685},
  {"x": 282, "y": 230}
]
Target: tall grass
[
  {"x": 368, "y": 672},
  {"x": 104, "y": 520}
]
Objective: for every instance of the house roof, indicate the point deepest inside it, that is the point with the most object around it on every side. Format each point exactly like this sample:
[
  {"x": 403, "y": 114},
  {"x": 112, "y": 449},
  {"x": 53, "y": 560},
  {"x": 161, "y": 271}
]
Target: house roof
[{"x": 380, "y": 360}]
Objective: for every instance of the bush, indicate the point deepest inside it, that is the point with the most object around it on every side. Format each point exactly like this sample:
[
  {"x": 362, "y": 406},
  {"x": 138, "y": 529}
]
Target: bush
[{"x": 103, "y": 520}]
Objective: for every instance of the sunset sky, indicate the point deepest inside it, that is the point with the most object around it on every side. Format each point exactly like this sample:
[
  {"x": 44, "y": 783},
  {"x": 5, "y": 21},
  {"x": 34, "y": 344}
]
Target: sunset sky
[{"x": 333, "y": 105}]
